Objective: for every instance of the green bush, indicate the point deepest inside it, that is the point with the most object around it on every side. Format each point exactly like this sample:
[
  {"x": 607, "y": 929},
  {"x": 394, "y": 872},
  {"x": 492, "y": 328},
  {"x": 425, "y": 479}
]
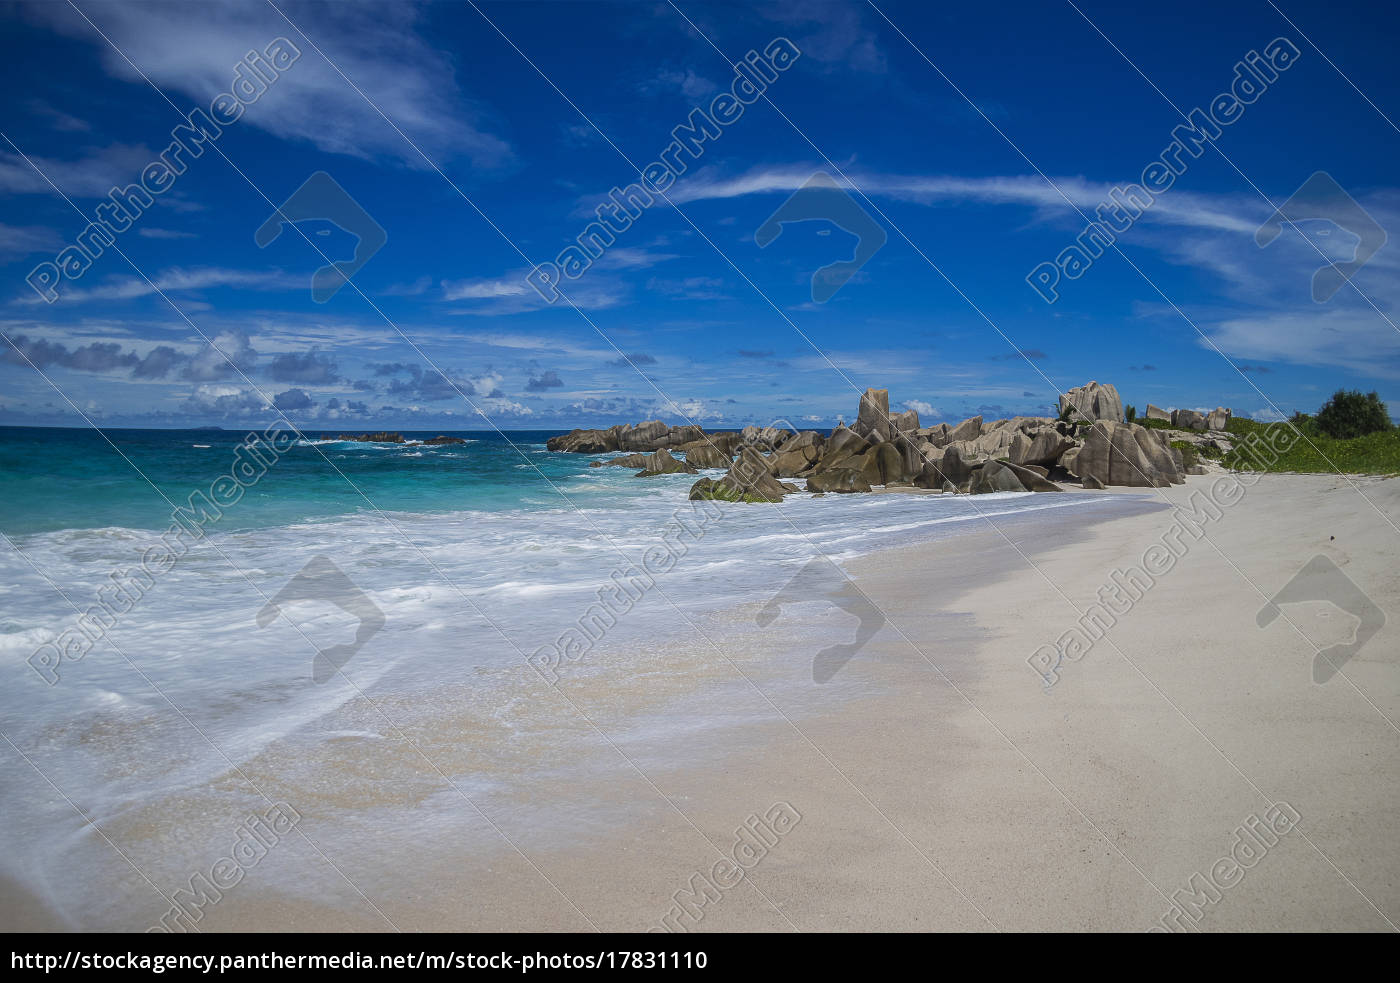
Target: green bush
[
  {"x": 1189, "y": 453},
  {"x": 1376, "y": 453},
  {"x": 1130, "y": 414},
  {"x": 1350, "y": 414}
]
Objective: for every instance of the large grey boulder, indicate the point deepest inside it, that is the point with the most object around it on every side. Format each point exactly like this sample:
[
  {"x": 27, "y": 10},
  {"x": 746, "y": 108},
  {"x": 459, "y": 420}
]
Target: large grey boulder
[
  {"x": 888, "y": 462},
  {"x": 951, "y": 467},
  {"x": 938, "y": 436},
  {"x": 1127, "y": 454},
  {"x": 1042, "y": 445},
  {"x": 1157, "y": 413},
  {"x": 840, "y": 480},
  {"x": 904, "y": 423},
  {"x": 633, "y": 461},
  {"x": 585, "y": 441},
  {"x": 1031, "y": 478},
  {"x": 704, "y": 455},
  {"x": 995, "y": 477},
  {"x": 645, "y": 436},
  {"x": 1188, "y": 420},
  {"x": 661, "y": 462},
  {"x": 969, "y": 429},
  {"x": 1218, "y": 418},
  {"x": 1094, "y": 401},
  {"x": 749, "y": 479},
  {"x": 838, "y": 449},
  {"x": 873, "y": 417},
  {"x": 790, "y": 461},
  {"x": 930, "y": 472}
]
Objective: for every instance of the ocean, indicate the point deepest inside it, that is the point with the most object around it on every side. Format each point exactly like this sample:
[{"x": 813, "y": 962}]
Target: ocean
[{"x": 343, "y": 595}]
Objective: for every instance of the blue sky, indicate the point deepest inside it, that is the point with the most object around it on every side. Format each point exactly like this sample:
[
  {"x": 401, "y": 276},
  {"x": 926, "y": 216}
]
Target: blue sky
[{"x": 481, "y": 139}]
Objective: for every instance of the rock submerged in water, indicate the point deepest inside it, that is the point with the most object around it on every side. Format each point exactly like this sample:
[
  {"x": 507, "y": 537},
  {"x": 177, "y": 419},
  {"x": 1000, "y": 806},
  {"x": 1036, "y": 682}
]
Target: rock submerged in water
[
  {"x": 706, "y": 455},
  {"x": 633, "y": 461},
  {"x": 747, "y": 480},
  {"x": 441, "y": 441},
  {"x": 661, "y": 462}
]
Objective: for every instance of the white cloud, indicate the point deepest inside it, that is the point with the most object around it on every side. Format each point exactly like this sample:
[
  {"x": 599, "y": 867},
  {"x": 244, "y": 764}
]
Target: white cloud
[
  {"x": 90, "y": 176},
  {"x": 18, "y": 241},
  {"x": 190, "y": 50},
  {"x": 484, "y": 289},
  {"x": 176, "y": 280}
]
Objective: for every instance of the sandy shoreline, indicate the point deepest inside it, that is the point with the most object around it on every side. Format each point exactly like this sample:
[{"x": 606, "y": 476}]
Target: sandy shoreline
[{"x": 940, "y": 784}]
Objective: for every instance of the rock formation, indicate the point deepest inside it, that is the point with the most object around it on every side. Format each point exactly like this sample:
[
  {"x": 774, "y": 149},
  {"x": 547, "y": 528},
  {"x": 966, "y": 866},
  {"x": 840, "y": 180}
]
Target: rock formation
[
  {"x": 1218, "y": 418},
  {"x": 661, "y": 462},
  {"x": 1127, "y": 454},
  {"x": 1188, "y": 420},
  {"x": 1093, "y": 402},
  {"x": 747, "y": 480},
  {"x": 1019, "y": 454}
]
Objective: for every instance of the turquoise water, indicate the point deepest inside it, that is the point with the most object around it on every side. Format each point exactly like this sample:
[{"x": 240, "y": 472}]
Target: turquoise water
[{"x": 53, "y": 478}]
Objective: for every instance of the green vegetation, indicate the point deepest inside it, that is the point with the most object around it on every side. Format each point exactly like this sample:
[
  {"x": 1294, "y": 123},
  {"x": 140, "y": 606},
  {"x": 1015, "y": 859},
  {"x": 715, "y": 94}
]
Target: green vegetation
[
  {"x": 1130, "y": 414},
  {"x": 1315, "y": 452},
  {"x": 1190, "y": 456},
  {"x": 1154, "y": 424},
  {"x": 1350, "y": 414}
]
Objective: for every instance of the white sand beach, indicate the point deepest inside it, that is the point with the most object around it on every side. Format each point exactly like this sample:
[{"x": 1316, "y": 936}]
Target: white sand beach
[{"x": 940, "y": 784}]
